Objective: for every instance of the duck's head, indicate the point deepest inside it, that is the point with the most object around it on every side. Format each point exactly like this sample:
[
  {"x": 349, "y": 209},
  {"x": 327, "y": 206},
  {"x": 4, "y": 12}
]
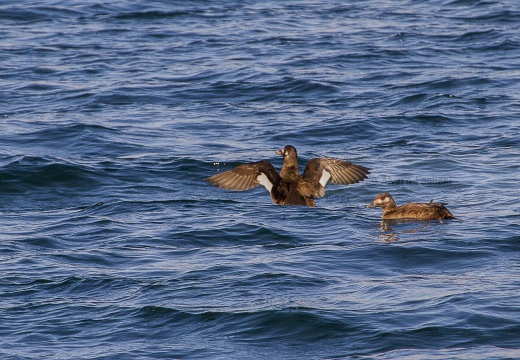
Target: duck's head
[
  {"x": 288, "y": 151},
  {"x": 382, "y": 200}
]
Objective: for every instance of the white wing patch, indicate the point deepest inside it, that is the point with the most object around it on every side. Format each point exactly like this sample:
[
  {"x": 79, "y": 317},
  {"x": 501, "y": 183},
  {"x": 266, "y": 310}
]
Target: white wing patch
[
  {"x": 325, "y": 176},
  {"x": 264, "y": 181}
]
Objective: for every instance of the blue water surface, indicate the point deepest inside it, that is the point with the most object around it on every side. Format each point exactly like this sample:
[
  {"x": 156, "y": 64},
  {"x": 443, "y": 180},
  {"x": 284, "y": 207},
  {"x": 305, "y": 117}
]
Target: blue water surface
[{"x": 113, "y": 245}]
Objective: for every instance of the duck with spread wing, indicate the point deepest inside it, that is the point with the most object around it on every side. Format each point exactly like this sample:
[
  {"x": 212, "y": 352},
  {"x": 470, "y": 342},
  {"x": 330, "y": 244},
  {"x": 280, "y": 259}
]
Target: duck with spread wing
[{"x": 289, "y": 187}]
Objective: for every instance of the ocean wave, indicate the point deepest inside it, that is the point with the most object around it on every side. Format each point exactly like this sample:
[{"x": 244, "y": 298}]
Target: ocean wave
[{"x": 25, "y": 173}]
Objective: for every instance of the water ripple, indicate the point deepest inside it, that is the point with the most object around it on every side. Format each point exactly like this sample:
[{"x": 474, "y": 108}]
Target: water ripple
[{"x": 114, "y": 245}]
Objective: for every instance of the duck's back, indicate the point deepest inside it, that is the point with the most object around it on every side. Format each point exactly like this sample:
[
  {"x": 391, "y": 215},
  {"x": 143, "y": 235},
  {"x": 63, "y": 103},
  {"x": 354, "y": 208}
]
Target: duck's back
[
  {"x": 423, "y": 211},
  {"x": 288, "y": 193}
]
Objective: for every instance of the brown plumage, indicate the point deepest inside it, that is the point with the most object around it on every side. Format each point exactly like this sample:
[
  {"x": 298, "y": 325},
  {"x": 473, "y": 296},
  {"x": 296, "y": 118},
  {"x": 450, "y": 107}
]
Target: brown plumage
[
  {"x": 418, "y": 211},
  {"x": 288, "y": 187}
]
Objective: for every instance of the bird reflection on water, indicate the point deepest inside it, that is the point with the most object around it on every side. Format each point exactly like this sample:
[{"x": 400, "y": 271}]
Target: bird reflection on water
[{"x": 389, "y": 233}]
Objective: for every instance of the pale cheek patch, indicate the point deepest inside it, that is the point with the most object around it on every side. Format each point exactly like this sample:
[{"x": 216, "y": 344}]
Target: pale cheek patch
[
  {"x": 264, "y": 181},
  {"x": 325, "y": 176},
  {"x": 379, "y": 201}
]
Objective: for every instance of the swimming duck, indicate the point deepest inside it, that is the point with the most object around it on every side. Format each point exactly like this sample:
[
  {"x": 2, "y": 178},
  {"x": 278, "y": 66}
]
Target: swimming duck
[
  {"x": 288, "y": 187},
  {"x": 413, "y": 210}
]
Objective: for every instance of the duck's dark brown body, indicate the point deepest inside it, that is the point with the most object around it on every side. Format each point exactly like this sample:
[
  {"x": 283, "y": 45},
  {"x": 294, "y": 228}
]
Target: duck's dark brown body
[
  {"x": 288, "y": 187},
  {"x": 414, "y": 210}
]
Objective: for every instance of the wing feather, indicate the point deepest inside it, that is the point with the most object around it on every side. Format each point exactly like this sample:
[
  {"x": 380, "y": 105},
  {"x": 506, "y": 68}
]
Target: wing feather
[
  {"x": 341, "y": 172},
  {"x": 245, "y": 176}
]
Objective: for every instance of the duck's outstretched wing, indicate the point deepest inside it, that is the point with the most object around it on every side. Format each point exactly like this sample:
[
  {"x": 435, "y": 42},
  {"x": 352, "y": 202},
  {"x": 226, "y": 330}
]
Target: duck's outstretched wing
[
  {"x": 319, "y": 171},
  {"x": 247, "y": 176}
]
